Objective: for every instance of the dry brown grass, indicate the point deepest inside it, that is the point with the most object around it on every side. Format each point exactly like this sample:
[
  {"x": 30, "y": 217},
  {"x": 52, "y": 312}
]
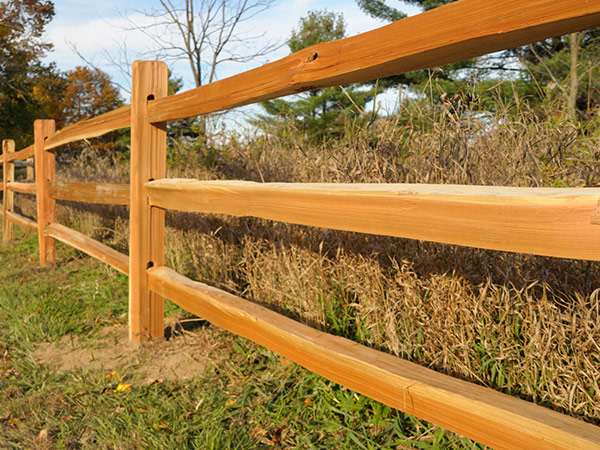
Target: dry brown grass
[{"x": 525, "y": 325}]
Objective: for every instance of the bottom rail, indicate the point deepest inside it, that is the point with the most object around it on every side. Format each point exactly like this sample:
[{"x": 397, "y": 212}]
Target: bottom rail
[
  {"x": 24, "y": 222},
  {"x": 90, "y": 246},
  {"x": 479, "y": 413}
]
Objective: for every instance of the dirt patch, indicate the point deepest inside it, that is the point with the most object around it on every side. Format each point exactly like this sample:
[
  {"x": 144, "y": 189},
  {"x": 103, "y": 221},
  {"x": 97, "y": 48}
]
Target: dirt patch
[{"x": 184, "y": 355}]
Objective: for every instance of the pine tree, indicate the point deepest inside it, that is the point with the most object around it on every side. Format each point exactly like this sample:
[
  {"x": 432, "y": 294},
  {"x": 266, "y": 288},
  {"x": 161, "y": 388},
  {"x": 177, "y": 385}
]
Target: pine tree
[{"x": 321, "y": 112}]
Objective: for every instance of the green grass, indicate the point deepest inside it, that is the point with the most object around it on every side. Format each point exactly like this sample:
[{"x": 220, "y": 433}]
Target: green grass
[{"x": 250, "y": 398}]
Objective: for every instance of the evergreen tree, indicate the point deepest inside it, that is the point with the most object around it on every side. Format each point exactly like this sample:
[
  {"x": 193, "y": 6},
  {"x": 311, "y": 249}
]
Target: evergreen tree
[
  {"x": 562, "y": 67},
  {"x": 320, "y": 112},
  {"x": 448, "y": 75}
]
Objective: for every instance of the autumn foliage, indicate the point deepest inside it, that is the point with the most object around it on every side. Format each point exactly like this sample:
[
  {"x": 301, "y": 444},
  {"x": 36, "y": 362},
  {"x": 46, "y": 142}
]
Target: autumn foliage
[
  {"x": 87, "y": 93},
  {"x": 31, "y": 89}
]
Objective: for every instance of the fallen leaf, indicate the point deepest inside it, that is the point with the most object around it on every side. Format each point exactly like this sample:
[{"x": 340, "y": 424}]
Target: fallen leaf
[
  {"x": 230, "y": 402},
  {"x": 111, "y": 375},
  {"x": 123, "y": 387},
  {"x": 165, "y": 426}
]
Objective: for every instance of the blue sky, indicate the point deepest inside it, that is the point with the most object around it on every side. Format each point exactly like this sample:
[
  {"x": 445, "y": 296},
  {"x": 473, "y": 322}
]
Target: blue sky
[{"x": 96, "y": 30}]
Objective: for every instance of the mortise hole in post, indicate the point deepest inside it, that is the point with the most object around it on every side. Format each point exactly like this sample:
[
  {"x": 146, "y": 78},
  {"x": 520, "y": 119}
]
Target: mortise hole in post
[
  {"x": 149, "y": 265},
  {"x": 150, "y": 97},
  {"x": 313, "y": 56}
]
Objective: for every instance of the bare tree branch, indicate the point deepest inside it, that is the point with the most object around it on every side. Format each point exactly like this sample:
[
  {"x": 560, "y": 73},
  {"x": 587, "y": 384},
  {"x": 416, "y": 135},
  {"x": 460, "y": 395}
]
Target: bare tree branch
[{"x": 204, "y": 32}]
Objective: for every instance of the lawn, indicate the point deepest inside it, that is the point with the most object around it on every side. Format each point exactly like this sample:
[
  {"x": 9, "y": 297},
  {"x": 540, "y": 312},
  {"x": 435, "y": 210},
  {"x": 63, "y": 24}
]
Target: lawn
[{"x": 70, "y": 380}]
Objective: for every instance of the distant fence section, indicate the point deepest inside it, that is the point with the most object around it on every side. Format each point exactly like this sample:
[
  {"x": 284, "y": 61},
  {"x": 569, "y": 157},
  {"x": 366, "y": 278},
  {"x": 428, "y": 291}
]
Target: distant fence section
[{"x": 543, "y": 221}]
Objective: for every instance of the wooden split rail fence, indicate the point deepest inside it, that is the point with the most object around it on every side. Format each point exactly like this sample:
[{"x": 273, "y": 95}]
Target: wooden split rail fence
[{"x": 544, "y": 221}]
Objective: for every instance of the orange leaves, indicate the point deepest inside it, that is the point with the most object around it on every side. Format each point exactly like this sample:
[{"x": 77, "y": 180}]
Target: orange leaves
[
  {"x": 88, "y": 92},
  {"x": 111, "y": 375}
]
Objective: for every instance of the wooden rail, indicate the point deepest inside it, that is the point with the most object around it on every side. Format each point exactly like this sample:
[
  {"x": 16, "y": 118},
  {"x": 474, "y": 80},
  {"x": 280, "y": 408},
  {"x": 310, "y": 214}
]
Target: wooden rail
[
  {"x": 21, "y": 154},
  {"x": 458, "y": 405},
  {"x": 90, "y": 246},
  {"x": 454, "y": 32},
  {"x": 23, "y": 188},
  {"x": 100, "y": 193},
  {"x": 547, "y": 221},
  {"x": 553, "y": 222},
  {"x": 22, "y": 221},
  {"x": 90, "y": 128}
]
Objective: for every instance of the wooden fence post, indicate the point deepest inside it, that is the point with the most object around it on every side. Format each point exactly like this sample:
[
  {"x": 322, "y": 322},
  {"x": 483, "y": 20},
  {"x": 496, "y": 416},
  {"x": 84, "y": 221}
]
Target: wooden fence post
[
  {"x": 147, "y": 225},
  {"x": 8, "y": 169},
  {"x": 45, "y": 171},
  {"x": 30, "y": 169}
]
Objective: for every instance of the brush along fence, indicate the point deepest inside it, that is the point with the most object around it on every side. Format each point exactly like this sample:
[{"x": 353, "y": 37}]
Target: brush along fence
[{"x": 544, "y": 221}]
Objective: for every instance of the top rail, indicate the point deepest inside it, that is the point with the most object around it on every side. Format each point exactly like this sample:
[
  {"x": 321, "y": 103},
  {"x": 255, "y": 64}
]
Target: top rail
[
  {"x": 451, "y": 33},
  {"x": 454, "y": 32},
  {"x": 27, "y": 152},
  {"x": 90, "y": 128}
]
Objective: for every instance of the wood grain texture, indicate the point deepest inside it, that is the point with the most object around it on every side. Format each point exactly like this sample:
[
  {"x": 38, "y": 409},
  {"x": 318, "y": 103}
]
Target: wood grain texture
[
  {"x": 23, "y": 188},
  {"x": 148, "y": 161},
  {"x": 451, "y": 33},
  {"x": 8, "y": 176},
  {"x": 25, "y": 153},
  {"x": 89, "y": 246},
  {"x": 100, "y": 193},
  {"x": 487, "y": 416},
  {"x": 542, "y": 221},
  {"x": 45, "y": 171},
  {"x": 90, "y": 128},
  {"x": 22, "y": 221}
]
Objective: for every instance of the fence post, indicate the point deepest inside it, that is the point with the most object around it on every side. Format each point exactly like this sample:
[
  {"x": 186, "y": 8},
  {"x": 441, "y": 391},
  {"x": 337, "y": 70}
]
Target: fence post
[
  {"x": 147, "y": 225},
  {"x": 8, "y": 146},
  {"x": 45, "y": 171},
  {"x": 30, "y": 170}
]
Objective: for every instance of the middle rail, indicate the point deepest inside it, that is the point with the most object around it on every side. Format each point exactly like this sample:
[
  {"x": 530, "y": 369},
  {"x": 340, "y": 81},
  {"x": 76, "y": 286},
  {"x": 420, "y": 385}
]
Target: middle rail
[{"x": 542, "y": 221}]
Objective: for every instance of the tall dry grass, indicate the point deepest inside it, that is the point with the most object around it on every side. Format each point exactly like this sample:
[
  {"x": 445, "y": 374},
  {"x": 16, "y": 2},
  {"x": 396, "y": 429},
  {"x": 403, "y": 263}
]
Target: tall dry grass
[{"x": 525, "y": 325}]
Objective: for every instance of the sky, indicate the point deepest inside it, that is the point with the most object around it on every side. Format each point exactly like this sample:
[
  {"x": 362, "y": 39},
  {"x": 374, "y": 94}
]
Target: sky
[
  {"x": 91, "y": 32},
  {"x": 97, "y": 31}
]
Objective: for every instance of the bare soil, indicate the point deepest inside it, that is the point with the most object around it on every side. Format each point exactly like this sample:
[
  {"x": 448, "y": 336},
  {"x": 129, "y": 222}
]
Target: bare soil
[{"x": 184, "y": 354}]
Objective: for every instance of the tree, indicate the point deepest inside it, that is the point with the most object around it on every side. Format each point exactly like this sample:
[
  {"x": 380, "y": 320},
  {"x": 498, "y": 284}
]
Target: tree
[
  {"x": 22, "y": 24},
  {"x": 378, "y": 9},
  {"x": 206, "y": 33},
  {"x": 88, "y": 93},
  {"x": 319, "y": 112},
  {"x": 76, "y": 95},
  {"x": 31, "y": 90},
  {"x": 448, "y": 74},
  {"x": 565, "y": 70},
  {"x": 564, "y": 66}
]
